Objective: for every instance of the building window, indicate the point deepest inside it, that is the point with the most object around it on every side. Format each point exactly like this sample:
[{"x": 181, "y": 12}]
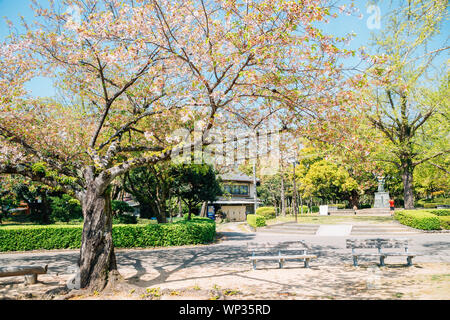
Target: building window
[{"x": 237, "y": 189}]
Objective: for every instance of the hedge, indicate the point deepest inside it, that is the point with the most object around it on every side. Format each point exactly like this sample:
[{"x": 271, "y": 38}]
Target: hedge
[
  {"x": 338, "y": 205},
  {"x": 430, "y": 205},
  {"x": 440, "y": 212},
  {"x": 256, "y": 220},
  {"x": 266, "y": 212},
  {"x": 418, "y": 219},
  {"x": 305, "y": 209},
  {"x": 23, "y": 238},
  {"x": 445, "y": 222}
]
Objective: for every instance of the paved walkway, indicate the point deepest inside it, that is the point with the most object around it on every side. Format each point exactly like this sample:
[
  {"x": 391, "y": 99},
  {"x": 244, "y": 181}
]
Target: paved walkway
[{"x": 341, "y": 229}]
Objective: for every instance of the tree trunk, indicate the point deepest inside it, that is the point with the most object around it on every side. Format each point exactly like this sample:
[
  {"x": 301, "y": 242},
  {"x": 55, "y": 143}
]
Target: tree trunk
[
  {"x": 97, "y": 259},
  {"x": 189, "y": 212},
  {"x": 354, "y": 198},
  {"x": 407, "y": 179},
  {"x": 283, "y": 197},
  {"x": 45, "y": 208},
  {"x": 180, "y": 208}
]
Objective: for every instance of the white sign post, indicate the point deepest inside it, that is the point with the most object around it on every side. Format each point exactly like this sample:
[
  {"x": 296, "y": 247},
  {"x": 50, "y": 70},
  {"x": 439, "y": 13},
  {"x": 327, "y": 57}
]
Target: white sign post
[{"x": 323, "y": 210}]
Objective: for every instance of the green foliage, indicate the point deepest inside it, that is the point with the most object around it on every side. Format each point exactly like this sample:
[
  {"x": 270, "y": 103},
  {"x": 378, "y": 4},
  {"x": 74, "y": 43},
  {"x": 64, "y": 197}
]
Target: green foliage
[
  {"x": 305, "y": 209},
  {"x": 269, "y": 191},
  {"x": 433, "y": 203},
  {"x": 440, "y": 212},
  {"x": 65, "y": 208},
  {"x": 419, "y": 219},
  {"x": 125, "y": 219},
  {"x": 151, "y": 187},
  {"x": 338, "y": 205},
  {"x": 328, "y": 181},
  {"x": 120, "y": 210},
  {"x": 23, "y": 238},
  {"x": 266, "y": 212},
  {"x": 119, "y": 207},
  {"x": 39, "y": 168},
  {"x": 445, "y": 222},
  {"x": 195, "y": 183},
  {"x": 256, "y": 220},
  {"x": 26, "y": 238}
]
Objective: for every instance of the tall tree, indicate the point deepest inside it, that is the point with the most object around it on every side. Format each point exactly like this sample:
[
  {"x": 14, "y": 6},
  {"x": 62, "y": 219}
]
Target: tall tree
[{"x": 406, "y": 96}]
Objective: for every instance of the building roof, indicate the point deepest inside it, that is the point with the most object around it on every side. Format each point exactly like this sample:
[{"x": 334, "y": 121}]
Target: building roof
[{"x": 236, "y": 177}]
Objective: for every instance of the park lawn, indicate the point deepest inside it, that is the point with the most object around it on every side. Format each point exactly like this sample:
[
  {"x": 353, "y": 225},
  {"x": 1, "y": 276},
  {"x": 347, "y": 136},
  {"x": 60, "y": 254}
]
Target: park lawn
[{"x": 317, "y": 219}]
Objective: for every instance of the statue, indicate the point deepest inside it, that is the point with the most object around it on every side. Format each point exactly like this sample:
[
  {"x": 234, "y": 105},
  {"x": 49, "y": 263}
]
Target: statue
[
  {"x": 381, "y": 196},
  {"x": 380, "y": 183}
]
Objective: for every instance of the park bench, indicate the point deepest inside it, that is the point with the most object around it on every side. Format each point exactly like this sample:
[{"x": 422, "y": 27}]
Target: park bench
[
  {"x": 289, "y": 250},
  {"x": 380, "y": 245},
  {"x": 30, "y": 272}
]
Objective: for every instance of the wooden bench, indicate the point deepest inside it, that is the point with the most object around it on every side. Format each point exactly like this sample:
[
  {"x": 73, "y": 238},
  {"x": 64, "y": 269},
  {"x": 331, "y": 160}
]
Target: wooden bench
[
  {"x": 279, "y": 251},
  {"x": 379, "y": 244},
  {"x": 30, "y": 272}
]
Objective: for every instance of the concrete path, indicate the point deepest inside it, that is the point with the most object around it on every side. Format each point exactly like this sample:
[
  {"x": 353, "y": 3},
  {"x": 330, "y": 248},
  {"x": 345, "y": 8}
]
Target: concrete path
[{"x": 341, "y": 229}]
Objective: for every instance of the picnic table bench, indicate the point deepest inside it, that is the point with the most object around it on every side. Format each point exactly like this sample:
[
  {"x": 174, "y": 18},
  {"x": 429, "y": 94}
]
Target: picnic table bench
[
  {"x": 30, "y": 272},
  {"x": 379, "y": 244},
  {"x": 289, "y": 250}
]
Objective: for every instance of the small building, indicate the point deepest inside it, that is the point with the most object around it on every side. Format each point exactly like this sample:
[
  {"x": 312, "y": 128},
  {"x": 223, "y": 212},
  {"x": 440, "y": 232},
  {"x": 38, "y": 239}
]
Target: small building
[{"x": 238, "y": 198}]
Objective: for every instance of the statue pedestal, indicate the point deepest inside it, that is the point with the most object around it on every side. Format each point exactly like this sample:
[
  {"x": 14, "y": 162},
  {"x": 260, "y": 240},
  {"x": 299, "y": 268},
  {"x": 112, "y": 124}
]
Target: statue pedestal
[{"x": 381, "y": 200}]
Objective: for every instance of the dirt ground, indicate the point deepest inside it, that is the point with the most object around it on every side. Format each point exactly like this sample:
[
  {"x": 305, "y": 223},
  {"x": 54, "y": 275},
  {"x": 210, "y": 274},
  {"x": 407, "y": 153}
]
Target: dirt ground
[{"x": 395, "y": 281}]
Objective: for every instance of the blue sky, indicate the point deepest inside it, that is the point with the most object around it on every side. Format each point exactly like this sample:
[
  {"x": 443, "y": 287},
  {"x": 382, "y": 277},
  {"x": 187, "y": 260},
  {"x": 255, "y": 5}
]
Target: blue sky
[{"x": 344, "y": 24}]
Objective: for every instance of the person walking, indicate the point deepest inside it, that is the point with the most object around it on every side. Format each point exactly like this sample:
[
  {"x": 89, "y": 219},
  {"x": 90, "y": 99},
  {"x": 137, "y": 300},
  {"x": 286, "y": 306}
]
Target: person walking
[{"x": 392, "y": 206}]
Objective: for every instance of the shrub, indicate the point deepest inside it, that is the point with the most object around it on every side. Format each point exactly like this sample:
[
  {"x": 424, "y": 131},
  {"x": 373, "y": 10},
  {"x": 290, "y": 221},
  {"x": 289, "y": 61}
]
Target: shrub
[
  {"x": 440, "y": 212},
  {"x": 430, "y": 205},
  {"x": 119, "y": 207},
  {"x": 315, "y": 209},
  {"x": 65, "y": 208},
  {"x": 445, "y": 222},
  {"x": 338, "y": 205},
  {"x": 125, "y": 219},
  {"x": 418, "y": 219},
  {"x": 23, "y": 238},
  {"x": 305, "y": 209},
  {"x": 266, "y": 212},
  {"x": 256, "y": 220}
]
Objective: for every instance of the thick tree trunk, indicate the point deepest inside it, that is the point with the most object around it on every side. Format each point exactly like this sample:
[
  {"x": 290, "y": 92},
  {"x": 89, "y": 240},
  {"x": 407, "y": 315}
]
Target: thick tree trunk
[
  {"x": 161, "y": 209},
  {"x": 354, "y": 199},
  {"x": 97, "y": 259},
  {"x": 407, "y": 179}
]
